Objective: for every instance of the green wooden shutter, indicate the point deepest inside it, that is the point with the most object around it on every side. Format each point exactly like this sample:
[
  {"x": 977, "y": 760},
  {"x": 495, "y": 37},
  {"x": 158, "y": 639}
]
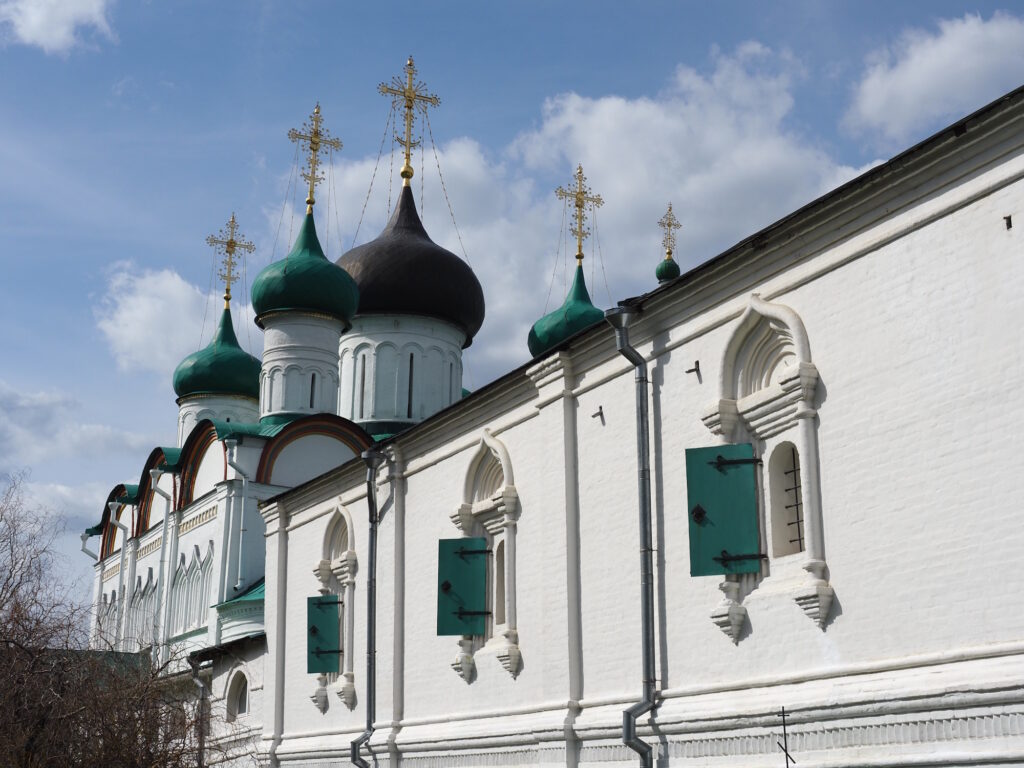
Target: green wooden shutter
[
  {"x": 323, "y": 635},
  {"x": 462, "y": 586},
  {"x": 721, "y": 490}
]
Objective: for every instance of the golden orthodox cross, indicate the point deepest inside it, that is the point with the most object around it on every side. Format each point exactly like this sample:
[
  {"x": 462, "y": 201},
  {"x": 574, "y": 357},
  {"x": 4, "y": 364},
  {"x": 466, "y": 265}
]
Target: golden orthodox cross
[
  {"x": 228, "y": 242},
  {"x": 411, "y": 93},
  {"x": 317, "y": 139},
  {"x": 669, "y": 222},
  {"x": 580, "y": 197}
]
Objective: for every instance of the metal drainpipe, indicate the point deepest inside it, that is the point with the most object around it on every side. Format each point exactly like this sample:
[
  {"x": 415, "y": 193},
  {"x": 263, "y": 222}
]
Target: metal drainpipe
[
  {"x": 373, "y": 461},
  {"x": 85, "y": 539},
  {"x": 155, "y": 475},
  {"x": 194, "y": 665},
  {"x": 120, "y": 571},
  {"x": 232, "y": 445},
  {"x": 619, "y": 318}
]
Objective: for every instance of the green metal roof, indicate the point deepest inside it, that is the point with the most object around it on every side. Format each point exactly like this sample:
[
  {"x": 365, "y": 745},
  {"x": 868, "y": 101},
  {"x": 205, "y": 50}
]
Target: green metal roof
[
  {"x": 235, "y": 429},
  {"x": 131, "y": 494},
  {"x": 569, "y": 319},
  {"x": 172, "y": 459},
  {"x": 305, "y": 281},
  {"x": 221, "y": 368},
  {"x": 254, "y": 594}
]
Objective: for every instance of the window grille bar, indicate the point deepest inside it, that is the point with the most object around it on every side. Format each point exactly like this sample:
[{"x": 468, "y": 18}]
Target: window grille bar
[{"x": 797, "y": 505}]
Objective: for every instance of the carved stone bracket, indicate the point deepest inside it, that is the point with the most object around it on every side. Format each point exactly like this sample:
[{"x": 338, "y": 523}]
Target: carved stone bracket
[
  {"x": 508, "y": 653},
  {"x": 464, "y": 665},
  {"x": 815, "y": 596},
  {"x": 319, "y": 697},
  {"x": 347, "y": 690},
  {"x": 729, "y": 615}
]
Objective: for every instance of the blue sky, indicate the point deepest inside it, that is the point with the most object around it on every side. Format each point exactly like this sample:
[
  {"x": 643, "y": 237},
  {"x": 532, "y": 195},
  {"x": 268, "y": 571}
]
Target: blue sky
[{"x": 130, "y": 131}]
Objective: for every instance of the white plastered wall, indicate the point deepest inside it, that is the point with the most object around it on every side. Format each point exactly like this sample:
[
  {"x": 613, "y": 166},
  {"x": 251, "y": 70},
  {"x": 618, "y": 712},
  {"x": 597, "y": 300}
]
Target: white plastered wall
[{"x": 375, "y": 368}]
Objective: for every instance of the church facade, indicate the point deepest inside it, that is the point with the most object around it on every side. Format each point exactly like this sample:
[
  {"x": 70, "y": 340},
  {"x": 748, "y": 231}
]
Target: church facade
[{"x": 759, "y": 509}]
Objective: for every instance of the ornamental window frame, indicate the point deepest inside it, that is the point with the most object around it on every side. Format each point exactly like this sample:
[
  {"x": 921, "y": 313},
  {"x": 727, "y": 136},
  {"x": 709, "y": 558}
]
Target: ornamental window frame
[
  {"x": 768, "y": 387},
  {"x": 336, "y": 572},
  {"x": 490, "y": 508}
]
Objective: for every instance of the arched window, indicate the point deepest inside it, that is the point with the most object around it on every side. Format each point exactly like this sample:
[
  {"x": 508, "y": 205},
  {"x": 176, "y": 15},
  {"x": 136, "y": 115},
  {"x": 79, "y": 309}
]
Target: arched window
[
  {"x": 786, "y": 507},
  {"x": 238, "y": 697},
  {"x": 769, "y": 398},
  {"x": 336, "y": 572},
  {"x": 490, "y": 510}
]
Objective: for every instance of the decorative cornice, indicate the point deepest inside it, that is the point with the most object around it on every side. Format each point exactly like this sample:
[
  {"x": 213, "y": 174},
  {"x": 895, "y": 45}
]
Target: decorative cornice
[{"x": 195, "y": 521}]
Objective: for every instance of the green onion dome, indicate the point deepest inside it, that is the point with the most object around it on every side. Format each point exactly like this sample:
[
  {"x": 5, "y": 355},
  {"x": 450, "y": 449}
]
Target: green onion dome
[
  {"x": 667, "y": 269},
  {"x": 221, "y": 368},
  {"x": 569, "y": 319},
  {"x": 305, "y": 281}
]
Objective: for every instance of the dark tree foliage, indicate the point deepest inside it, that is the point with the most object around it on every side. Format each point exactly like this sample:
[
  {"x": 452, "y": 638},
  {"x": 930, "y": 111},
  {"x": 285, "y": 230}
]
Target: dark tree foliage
[{"x": 63, "y": 704}]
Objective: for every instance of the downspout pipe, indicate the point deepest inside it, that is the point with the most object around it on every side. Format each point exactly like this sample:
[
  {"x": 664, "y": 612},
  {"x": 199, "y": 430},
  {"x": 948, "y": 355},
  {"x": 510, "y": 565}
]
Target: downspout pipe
[
  {"x": 232, "y": 445},
  {"x": 120, "y": 571},
  {"x": 194, "y": 666},
  {"x": 155, "y": 475},
  {"x": 85, "y": 539},
  {"x": 620, "y": 318},
  {"x": 373, "y": 459}
]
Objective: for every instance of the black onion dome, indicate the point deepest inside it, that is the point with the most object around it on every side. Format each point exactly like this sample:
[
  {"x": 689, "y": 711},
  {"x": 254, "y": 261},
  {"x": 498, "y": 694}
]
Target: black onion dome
[{"x": 403, "y": 271}]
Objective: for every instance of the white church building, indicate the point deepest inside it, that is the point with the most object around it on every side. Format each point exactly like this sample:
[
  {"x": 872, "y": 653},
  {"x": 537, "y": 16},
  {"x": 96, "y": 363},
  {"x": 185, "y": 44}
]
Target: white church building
[{"x": 781, "y": 480}]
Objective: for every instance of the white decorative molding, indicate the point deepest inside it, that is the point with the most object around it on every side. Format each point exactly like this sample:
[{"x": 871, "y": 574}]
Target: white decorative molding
[
  {"x": 553, "y": 378},
  {"x": 151, "y": 547},
  {"x": 464, "y": 665},
  {"x": 347, "y": 690},
  {"x": 336, "y": 572},
  {"x": 490, "y": 502},
  {"x": 729, "y": 615},
  {"x": 767, "y": 387},
  {"x": 319, "y": 697},
  {"x": 508, "y": 653},
  {"x": 815, "y": 597},
  {"x": 196, "y": 520}
]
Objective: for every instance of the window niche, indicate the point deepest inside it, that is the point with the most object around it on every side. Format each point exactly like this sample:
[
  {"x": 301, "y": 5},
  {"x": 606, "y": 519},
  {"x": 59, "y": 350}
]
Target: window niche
[
  {"x": 336, "y": 572},
  {"x": 768, "y": 386},
  {"x": 237, "y": 704},
  {"x": 490, "y": 508}
]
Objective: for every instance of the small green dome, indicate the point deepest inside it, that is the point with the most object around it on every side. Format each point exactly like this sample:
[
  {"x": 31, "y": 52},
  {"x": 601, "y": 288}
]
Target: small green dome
[
  {"x": 667, "y": 270},
  {"x": 305, "y": 281},
  {"x": 221, "y": 368},
  {"x": 572, "y": 317}
]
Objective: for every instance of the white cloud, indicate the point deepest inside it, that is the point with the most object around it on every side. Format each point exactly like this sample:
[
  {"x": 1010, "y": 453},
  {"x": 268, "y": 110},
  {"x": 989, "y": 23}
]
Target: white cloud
[
  {"x": 152, "y": 319},
  {"x": 54, "y": 25},
  {"x": 37, "y": 427},
  {"x": 715, "y": 144},
  {"x": 927, "y": 78}
]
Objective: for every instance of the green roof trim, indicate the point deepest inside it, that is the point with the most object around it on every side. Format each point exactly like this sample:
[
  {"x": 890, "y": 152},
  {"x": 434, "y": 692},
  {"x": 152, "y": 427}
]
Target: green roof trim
[
  {"x": 96, "y": 530},
  {"x": 220, "y": 368},
  {"x": 131, "y": 494},
  {"x": 172, "y": 460},
  {"x": 575, "y": 314},
  {"x": 227, "y": 430},
  {"x": 254, "y": 594},
  {"x": 305, "y": 281}
]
